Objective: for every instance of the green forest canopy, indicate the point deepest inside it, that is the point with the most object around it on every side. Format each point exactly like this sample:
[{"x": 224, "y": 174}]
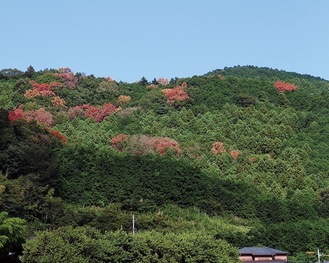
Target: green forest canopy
[{"x": 239, "y": 154}]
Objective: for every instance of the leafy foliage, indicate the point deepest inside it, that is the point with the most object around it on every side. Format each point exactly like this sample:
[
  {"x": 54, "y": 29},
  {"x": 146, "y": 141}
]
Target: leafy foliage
[
  {"x": 11, "y": 233},
  {"x": 86, "y": 244},
  {"x": 239, "y": 154}
]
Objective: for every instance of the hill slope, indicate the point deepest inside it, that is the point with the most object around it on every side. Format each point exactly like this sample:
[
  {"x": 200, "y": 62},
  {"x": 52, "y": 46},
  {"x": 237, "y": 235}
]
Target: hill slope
[{"x": 244, "y": 142}]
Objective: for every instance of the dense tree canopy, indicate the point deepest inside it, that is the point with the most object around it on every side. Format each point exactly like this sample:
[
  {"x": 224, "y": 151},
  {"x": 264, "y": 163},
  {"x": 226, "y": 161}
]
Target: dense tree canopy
[
  {"x": 85, "y": 244},
  {"x": 238, "y": 156}
]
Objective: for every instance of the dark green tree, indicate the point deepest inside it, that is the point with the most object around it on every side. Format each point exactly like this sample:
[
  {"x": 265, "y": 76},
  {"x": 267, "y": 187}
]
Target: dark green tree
[
  {"x": 143, "y": 81},
  {"x": 29, "y": 73}
]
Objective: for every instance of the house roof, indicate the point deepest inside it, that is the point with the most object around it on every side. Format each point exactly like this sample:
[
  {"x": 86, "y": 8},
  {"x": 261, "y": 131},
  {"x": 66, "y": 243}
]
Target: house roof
[{"x": 261, "y": 251}]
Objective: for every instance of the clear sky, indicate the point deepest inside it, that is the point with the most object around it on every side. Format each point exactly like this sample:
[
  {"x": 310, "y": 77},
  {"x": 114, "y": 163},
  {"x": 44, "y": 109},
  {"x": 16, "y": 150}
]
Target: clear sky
[{"x": 129, "y": 39}]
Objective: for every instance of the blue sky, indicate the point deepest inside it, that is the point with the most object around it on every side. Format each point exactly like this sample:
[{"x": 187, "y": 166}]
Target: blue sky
[{"x": 129, "y": 39}]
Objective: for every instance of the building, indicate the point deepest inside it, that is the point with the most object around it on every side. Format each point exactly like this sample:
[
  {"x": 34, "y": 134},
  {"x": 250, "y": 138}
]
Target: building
[{"x": 262, "y": 255}]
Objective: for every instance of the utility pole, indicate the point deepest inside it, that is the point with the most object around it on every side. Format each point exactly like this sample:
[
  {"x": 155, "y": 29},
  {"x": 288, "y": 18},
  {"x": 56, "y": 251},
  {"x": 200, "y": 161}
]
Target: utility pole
[
  {"x": 133, "y": 224},
  {"x": 319, "y": 255}
]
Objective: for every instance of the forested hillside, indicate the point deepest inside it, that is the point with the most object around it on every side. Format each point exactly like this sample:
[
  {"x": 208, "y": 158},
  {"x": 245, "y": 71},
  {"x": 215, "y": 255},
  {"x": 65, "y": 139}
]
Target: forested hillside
[{"x": 207, "y": 164}]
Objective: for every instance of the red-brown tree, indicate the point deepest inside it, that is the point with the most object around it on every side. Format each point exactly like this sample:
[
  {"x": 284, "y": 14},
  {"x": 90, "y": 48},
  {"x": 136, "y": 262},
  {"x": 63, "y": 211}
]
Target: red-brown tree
[
  {"x": 41, "y": 116},
  {"x": 164, "y": 144},
  {"x": 42, "y": 89},
  {"x": 119, "y": 141},
  {"x": 176, "y": 94},
  {"x": 235, "y": 154},
  {"x": 70, "y": 80},
  {"x": 218, "y": 147},
  {"x": 96, "y": 113},
  {"x": 58, "y": 135},
  {"x": 283, "y": 86},
  {"x": 16, "y": 114},
  {"x": 58, "y": 102}
]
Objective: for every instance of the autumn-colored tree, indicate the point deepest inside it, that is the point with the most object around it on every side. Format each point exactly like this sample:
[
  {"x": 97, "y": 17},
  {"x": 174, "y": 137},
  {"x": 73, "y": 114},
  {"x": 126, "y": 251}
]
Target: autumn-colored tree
[
  {"x": 163, "y": 81},
  {"x": 252, "y": 159},
  {"x": 218, "y": 147},
  {"x": 43, "y": 89},
  {"x": 124, "y": 99},
  {"x": 58, "y": 102},
  {"x": 109, "y": 79},
  {"x": 99, "y": 113},
  {"x": 32, "y": 93},
  {"x": 96, "y": 113},
  {"x": 16, "y": 114},
  {"x": 41, "y": 116},
  {"x": 235, "y": 154},
  {"x": 143, "y": 144},
  {"x": 58, "y": 135},
  {"x": 283, "y": 86},
  {"x": 56, "y": 85},
  {"x": 152, "y": 86},
  {"x": 176, "y": 94},
  {"x": 46, "y": 86},
  {"x": 119, "y": 141},
  {"x": 163, "y": 144},
  {"x": 70, "y": 80},
  {"x": 76, "y": 111},
  {"x": 126, "y": 111},
  {"x": 40, "y": 86}
]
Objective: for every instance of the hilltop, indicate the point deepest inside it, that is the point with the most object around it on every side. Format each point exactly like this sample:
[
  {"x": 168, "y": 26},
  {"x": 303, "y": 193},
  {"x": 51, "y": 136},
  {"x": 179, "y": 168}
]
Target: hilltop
[{"x": 262, "y": 73}]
